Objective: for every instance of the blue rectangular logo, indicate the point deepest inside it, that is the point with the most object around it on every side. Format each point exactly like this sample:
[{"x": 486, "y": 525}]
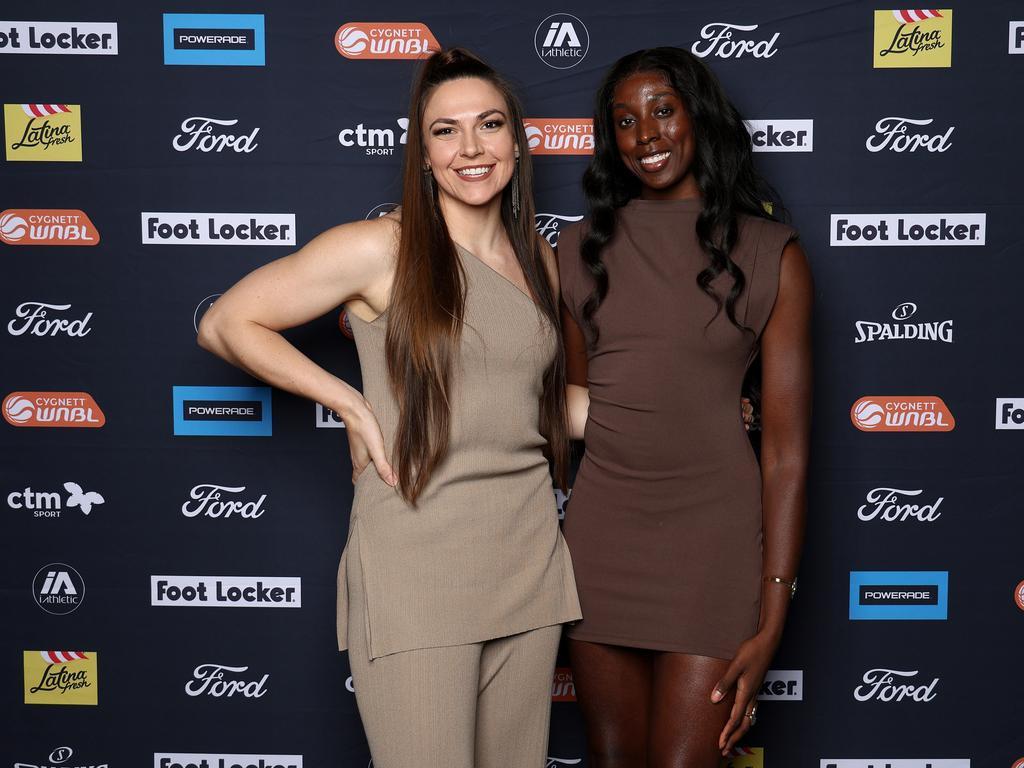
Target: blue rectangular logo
[
  {"x": 242, "y": 411},
  {"x": 214, "y": 39},
  {"x": 908, "y": 595}
]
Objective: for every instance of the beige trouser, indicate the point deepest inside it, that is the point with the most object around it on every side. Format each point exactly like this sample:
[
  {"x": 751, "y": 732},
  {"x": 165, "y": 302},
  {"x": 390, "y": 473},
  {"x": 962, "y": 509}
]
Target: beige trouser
[{"x": 483, "y": 705}]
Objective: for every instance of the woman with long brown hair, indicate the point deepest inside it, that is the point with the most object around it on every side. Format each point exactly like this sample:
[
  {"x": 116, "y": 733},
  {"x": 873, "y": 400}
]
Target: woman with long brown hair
[{"x": 455, "y": 579}]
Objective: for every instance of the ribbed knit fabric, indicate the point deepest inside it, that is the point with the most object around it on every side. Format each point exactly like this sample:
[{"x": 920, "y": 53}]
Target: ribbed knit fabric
[{"x": 481, "y": 556}]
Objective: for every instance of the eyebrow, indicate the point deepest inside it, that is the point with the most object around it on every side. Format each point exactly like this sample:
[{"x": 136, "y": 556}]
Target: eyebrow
[
  {"x": 481, "y": 116},
  {"x": 652, "y": 97}
]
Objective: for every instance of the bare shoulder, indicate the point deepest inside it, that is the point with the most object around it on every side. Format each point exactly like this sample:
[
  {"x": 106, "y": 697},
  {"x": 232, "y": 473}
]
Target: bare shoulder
[
  {"x": 795, "y": 271},
  {"x": 363, "y": 245}
]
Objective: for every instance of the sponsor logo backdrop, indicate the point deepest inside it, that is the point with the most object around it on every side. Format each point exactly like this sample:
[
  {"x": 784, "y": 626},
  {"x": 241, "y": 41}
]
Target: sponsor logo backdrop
[{"x": 141, "y": 139}]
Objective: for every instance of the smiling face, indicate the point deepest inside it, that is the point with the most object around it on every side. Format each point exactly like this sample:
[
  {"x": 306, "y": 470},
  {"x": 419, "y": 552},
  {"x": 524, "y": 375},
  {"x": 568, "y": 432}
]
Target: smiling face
[
  {"x": 654, "y": 135},
  {"x": 468, "y": 141}
]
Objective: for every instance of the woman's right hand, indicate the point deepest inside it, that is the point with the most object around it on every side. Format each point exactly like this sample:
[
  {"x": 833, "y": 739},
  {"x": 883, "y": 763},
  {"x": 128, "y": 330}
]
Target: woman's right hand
[{"x": 366, "y": 443}]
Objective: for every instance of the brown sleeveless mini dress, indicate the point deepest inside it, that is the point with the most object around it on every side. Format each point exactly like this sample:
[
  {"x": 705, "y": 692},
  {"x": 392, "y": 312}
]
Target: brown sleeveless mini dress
[
  {"x": 481, "y": 556},
  {"x": 664, "y": 519}
]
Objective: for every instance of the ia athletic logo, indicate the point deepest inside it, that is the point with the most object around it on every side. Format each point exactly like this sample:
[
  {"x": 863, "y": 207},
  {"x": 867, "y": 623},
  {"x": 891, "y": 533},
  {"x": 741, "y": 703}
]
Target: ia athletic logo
[
  {"x": 561, "y": 41},
  {"x": 58, "y": 589}
]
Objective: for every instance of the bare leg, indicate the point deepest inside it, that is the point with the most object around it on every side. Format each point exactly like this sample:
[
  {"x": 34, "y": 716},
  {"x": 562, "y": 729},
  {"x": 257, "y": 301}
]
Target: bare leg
[
  {"x": 684, "y": 724},
  {"x": 613, "y": 686}
]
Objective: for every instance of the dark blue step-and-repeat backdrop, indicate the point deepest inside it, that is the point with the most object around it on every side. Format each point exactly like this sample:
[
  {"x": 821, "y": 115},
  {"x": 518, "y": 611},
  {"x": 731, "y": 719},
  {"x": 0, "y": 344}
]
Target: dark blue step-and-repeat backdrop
[{"x": 168, "y": 582}]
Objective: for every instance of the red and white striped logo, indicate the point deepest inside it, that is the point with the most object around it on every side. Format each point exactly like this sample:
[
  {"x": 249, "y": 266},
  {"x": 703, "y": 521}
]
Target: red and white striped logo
[
  {"x": 41, "y": 110},
  {"x": 911, "y": 16},
  {"x": 62, "y": 657}
]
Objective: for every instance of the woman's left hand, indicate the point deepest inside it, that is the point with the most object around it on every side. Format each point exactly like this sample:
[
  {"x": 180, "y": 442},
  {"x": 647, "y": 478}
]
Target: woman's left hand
[{"x": 746, "y": 672}]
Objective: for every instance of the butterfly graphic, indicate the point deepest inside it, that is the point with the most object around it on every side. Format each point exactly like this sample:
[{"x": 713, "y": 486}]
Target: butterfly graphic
[{"x": 79, "y": 498}]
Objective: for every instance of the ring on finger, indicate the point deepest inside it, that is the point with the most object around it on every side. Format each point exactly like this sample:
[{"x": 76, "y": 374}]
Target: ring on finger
[{"x": 752, "y": 714}]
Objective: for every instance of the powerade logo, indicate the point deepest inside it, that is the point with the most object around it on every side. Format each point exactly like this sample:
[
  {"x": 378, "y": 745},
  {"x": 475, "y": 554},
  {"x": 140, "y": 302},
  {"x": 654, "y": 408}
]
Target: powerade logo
[
  {"x": 910, "y": 595},
  {"x": 242, "y": 411},
  {"x": 212, "y": 39}
]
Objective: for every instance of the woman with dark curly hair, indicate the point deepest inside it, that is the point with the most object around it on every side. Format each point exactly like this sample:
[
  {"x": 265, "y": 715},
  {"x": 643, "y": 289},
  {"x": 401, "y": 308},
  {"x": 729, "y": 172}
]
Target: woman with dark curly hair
[{"x": 685, "y": 550}]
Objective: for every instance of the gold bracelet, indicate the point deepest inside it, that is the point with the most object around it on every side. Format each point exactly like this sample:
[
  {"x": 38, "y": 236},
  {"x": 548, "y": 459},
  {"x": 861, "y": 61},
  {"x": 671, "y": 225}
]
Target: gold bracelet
[{"x": 790, "y": 584}]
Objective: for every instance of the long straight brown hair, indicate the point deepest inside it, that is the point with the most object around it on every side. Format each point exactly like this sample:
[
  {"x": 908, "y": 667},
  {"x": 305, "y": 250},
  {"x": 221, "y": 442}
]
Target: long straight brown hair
[{"x": 425, "y": 311}]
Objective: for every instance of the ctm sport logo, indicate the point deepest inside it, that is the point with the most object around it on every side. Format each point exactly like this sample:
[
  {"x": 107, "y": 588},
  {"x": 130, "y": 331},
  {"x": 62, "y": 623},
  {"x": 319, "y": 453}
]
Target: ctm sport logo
[{"x": 913, "y": 38}]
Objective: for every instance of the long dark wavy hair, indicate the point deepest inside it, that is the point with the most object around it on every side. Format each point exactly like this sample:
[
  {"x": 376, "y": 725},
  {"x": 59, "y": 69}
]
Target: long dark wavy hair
[
  {"x": 425, "y": 311},
  {"x": 723, "y": 168}
]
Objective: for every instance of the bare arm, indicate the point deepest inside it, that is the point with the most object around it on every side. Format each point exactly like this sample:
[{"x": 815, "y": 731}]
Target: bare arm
[
  {"x": 785, "y": 439},
  {"x": 349, "y": 263},
  {"x": 577, "y": 394},
  {"x": 786, "y": 420}
]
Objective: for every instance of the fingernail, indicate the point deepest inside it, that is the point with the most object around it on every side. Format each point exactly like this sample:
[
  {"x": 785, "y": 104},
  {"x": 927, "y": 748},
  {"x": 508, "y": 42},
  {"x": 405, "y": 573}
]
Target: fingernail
[{"x": 716, "y": 696}]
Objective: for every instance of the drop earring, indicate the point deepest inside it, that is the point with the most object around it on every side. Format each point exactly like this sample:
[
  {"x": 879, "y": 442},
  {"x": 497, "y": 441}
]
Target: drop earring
[{"x": 515, "y": 189}]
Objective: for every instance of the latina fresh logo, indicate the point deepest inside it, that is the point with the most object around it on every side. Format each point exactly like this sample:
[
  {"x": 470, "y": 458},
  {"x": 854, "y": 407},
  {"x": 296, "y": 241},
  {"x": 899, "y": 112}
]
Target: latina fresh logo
[
  {"x": 60, "y": 677},
  {"x": 50, "y": 132},
  {"x": 913, "y": 38}
]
